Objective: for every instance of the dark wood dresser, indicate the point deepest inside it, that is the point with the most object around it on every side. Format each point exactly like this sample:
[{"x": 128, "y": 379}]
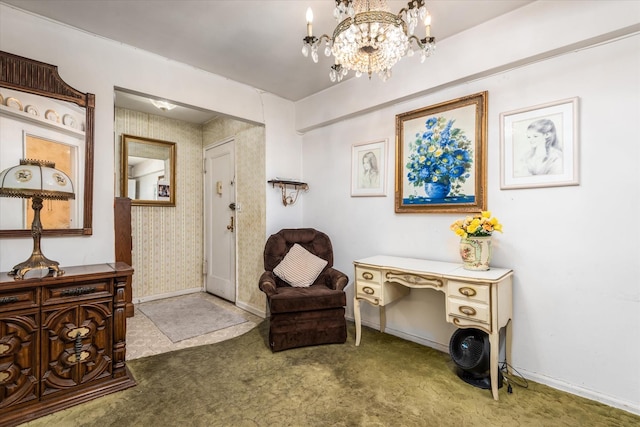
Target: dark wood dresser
[{"x": 62, "y": 340}]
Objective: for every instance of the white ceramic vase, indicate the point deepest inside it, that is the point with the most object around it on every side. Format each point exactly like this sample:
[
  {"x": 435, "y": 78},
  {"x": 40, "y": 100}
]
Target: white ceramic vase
[{"x": 475, "y": 252}]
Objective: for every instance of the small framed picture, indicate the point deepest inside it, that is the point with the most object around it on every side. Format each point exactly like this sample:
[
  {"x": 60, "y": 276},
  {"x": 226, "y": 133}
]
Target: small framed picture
[
  {"x": 369, "y": 169},
  {"x": 164, "y": 190},
  {"x": 539, "y": 146}
]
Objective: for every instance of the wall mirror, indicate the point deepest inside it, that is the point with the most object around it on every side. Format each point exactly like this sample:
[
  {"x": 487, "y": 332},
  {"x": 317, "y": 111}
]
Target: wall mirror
[
  {"x": 148, "y": 171},
  {"x": 44, "y": 118}
]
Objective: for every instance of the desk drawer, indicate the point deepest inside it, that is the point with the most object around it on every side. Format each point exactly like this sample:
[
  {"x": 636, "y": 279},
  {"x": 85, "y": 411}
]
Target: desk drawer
[
  {"x": 468, "y": 291},
  {"x": 368, "y": 291},
  {"x": 458, "y": 308},
  {"x": 368, "y": 275}
]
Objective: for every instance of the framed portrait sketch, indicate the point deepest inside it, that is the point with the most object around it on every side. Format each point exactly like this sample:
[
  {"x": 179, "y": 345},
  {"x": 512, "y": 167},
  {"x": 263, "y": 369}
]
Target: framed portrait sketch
[
  {"x": 539, "y": 146},
  {"x": 369, "y": 169},
  {"x": 440, "y": 157}
]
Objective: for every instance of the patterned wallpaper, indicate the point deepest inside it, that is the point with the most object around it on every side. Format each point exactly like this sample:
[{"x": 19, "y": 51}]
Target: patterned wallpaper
[{"x": 168, "y": 241}]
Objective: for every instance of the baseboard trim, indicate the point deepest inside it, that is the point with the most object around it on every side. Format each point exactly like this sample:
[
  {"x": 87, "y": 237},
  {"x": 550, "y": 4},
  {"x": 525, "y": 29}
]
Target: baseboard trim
[
  {"x": 631, "y": 407},
  {"x": 167, "y": 295},
  {"x": 251, "y": 309}
]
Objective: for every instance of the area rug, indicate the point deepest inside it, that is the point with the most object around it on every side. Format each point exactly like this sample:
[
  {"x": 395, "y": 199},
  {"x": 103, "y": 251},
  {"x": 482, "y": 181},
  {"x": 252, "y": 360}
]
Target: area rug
[{"x": 188, "y": 316}]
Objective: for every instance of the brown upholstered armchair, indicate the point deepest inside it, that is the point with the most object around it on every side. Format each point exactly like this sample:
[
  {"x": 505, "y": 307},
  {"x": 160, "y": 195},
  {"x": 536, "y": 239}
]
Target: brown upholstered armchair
[{"x": 309, "y": 315}]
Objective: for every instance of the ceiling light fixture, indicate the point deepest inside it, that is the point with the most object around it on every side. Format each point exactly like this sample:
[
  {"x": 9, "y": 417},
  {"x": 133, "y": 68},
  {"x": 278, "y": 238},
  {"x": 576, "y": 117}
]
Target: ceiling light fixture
[
  {"x": 163, "y": 105},
  {"x": 370, "y": 39}
]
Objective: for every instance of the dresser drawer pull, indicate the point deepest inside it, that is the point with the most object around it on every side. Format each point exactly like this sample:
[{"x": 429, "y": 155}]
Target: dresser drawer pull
[
  {"x": 78, "y": 333},
  {"x": 368, "y": 290},
  {"x": 4, "y": 348},
  {"x": 469, "y": 311},
  {"x": 78, "y": 291},
  {"x": 8, "y": 300},
  {"x": 467, "y": 292},
  {"x": 367, "y": 276}
]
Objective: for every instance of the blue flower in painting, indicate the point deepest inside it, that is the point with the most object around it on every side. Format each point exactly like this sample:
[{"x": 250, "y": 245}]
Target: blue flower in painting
[
  {"x": 441, "y": 153},
  {"x": 456, "y": 171}
]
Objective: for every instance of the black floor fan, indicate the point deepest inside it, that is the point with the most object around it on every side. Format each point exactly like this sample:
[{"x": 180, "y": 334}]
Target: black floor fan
[{"x": 469, "y": 350}]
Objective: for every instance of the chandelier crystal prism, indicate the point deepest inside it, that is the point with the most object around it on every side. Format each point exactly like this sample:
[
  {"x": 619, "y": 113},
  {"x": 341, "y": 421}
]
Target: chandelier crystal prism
[{"x": 369, "y": 38}]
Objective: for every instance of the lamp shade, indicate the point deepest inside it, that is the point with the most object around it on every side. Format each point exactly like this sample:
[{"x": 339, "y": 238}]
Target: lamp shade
[{"x": 36, "y": 178}]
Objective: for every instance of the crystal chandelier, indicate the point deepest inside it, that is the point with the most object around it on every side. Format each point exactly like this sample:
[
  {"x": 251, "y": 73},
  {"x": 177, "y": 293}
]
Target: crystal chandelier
[{"x": 369, "y": 38}]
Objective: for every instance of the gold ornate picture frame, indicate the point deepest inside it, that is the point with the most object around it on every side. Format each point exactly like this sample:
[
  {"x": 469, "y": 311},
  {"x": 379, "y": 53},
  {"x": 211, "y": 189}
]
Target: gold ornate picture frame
[{"x": 440, "y": 157}]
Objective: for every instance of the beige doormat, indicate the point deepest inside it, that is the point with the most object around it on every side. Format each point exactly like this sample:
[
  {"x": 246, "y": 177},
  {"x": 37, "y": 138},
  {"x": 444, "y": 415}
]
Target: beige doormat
[{"x": 184, "y": 317}]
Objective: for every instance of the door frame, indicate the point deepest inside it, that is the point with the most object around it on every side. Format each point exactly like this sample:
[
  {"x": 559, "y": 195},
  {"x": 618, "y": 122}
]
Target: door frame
[{"x": 205, "y": 198}]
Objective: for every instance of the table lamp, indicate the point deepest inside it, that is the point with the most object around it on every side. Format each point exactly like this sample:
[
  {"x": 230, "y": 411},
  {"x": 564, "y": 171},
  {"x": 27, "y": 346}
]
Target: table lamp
[{"x": 36, "y": 180}]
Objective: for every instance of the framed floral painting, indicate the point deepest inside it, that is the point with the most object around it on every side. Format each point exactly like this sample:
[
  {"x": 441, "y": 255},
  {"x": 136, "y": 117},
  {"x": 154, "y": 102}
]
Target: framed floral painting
[
  {"x": 440, "y": 157},
  {"x": 539, "y": 146},
  {"x": 369, "y": 169}
]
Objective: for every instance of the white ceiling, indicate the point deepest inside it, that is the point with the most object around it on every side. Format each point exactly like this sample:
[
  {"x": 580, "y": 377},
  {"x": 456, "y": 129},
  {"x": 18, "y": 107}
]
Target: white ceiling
[{"x": 253, "y": 42}]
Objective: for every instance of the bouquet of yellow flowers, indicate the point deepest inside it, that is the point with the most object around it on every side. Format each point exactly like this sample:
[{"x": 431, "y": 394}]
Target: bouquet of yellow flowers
[{"x": 478, "y": 225}]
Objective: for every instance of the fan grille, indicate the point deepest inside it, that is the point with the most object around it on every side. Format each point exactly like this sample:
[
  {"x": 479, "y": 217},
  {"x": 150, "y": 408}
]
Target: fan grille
[{"x": 469, "y": 349}]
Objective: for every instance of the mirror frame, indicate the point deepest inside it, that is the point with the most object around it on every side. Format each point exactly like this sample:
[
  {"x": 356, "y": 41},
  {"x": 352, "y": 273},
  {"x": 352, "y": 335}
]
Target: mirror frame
[
  {"x": 124, "y": 170},
  {"x": 39, "y": 78}
]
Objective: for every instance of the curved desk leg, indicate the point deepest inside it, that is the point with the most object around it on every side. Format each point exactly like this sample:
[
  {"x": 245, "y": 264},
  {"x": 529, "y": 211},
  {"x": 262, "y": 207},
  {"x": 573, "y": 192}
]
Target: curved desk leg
[
  {"x": 383, "y": 318},
  {"x": 494, "y": 340},
  {"x": 356, "y": 316}
]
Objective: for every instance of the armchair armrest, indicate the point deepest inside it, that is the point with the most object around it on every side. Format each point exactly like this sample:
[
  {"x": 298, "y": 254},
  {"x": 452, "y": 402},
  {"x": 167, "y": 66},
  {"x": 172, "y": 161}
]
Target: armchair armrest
[
  {"x": 267, "y": 283},
  {"x": 335, "y": 279}
]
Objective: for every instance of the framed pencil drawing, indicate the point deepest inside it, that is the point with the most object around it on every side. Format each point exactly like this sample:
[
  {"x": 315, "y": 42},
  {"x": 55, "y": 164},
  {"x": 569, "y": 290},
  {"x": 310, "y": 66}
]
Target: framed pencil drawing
[
  {"x": 539, "y": 146},
  {"x": 369, "y": 169},
  {"x": 440, "y": 157}
]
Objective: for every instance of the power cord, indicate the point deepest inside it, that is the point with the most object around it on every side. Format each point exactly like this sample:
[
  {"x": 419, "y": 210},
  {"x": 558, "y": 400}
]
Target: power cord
[{"x": 509, "y": 378}]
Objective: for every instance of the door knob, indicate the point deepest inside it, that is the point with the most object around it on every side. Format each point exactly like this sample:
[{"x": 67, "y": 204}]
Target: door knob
[{"x": 230, "y": 226}]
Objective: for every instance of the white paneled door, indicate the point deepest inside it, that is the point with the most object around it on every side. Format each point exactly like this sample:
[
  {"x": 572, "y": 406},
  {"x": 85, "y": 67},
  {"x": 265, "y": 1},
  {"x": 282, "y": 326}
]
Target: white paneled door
[{"x": 220, "y": 220}]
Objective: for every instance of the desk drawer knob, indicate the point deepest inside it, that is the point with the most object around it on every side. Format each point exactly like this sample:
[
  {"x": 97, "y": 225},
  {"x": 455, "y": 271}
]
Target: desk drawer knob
[
  {"x": 368, "y": 290},
  {"x": 467, "y": 292},
  {"x": 367, "y": 276},
  {"x": 468, "y": 311}
]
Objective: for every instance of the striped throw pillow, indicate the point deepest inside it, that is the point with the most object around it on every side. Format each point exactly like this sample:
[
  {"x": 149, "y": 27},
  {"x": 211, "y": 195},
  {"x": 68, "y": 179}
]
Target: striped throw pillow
[{"x": 299, "y": 268}]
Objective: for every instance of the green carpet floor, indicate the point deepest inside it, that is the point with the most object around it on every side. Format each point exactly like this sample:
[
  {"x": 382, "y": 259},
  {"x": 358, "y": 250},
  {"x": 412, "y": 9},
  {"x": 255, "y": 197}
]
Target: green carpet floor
[{"x": 386, "y": 381}]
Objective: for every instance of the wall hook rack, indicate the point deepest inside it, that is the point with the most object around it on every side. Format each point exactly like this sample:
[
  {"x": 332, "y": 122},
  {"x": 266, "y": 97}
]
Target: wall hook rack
[{"x": 284, "y": 184}]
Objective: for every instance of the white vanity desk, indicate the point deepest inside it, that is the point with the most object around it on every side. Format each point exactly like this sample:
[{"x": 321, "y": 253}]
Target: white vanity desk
[{"x": 474, "y": 299}]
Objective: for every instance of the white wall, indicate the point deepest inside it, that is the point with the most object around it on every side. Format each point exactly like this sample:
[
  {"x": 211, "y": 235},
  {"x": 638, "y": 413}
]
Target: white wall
[
  {"x": 283, "y": 159},
  {"x": 96, "y": 65},
  {"x": 573, "y": 249}
]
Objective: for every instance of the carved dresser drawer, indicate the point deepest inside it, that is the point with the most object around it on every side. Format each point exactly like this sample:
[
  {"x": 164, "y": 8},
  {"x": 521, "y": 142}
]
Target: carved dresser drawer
[
  {"x": 18, "y": 299},
  {"x": 76, "y": 292}
]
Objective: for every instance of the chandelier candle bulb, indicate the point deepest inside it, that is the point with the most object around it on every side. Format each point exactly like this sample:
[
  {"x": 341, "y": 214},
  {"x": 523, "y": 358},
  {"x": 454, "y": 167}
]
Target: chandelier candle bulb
[
  {"x": 309, "y": 22},
  {"x": 427, "y": 24}
]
